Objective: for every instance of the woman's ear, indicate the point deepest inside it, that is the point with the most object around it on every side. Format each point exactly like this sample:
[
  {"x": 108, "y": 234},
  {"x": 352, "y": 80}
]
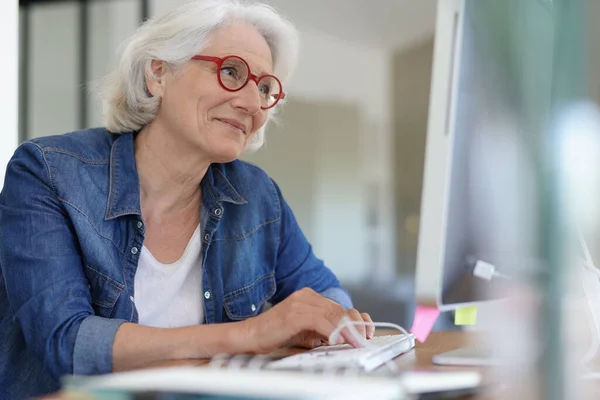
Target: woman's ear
[{"x": 155, "y": 82}]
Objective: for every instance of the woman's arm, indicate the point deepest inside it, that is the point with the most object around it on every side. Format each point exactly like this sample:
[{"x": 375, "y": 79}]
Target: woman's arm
[
  {"x": 43, "y": 272},
  {"x": 137, "y": 346},
  {"x": 301, "y": 319}
]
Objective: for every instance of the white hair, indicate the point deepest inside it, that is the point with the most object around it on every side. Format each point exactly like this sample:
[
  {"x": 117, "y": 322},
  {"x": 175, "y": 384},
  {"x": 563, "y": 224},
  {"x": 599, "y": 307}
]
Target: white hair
[{"x": 175, "y": 37}]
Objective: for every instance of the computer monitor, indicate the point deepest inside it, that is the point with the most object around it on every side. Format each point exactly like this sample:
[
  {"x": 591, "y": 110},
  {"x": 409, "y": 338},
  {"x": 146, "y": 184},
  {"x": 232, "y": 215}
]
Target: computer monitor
[{"x": 478, "y": 190}]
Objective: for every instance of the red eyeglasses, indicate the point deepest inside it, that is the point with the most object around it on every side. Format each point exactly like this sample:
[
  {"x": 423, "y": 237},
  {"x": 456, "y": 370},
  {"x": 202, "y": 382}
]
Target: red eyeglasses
[{"x": 234, "y": 74}]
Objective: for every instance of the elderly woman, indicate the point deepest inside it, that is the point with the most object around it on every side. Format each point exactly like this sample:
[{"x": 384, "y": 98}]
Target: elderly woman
[{"x": 134, "y": 244}]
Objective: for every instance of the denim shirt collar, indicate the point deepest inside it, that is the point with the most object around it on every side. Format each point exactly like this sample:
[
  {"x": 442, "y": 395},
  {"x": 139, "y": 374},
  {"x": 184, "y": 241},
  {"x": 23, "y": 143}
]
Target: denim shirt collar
[{"x": 124, "y": 185}]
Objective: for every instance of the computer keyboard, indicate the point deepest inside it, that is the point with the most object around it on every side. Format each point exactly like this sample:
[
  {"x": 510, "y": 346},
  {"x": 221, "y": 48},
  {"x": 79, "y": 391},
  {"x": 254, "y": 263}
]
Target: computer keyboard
[{"x": 380, "y": 350}]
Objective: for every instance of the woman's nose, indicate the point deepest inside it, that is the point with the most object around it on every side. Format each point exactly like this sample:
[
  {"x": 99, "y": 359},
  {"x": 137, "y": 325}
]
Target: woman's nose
[{"x": 248, "y": 98}]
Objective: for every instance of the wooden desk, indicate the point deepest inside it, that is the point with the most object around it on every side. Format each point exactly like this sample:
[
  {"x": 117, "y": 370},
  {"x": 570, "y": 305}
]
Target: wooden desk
[
  {"x": 440, "y": 342},
  {"x": 437, "y": 342}
]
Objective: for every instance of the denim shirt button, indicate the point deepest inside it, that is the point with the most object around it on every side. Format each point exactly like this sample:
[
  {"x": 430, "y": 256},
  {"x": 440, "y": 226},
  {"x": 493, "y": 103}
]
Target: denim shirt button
[
  {"x": 206, "y": 237},
  {"x": 218, "y": 212},
  {"x": 140, "y": 224},
  {"x": 253, "y": 308},
  {"x": 134, "y": 250},
  {"x": 207, "y": 295}
]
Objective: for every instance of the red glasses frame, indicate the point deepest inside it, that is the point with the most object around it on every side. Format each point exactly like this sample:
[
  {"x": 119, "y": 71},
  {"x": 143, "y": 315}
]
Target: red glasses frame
[{"x": 219, "y": 61}]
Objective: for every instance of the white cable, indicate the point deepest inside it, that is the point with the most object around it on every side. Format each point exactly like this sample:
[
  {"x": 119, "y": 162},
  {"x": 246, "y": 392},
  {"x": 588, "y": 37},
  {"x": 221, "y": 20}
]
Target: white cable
[
  {"x": 595, "y": 345},
  {"x": 487, "y": 271},
  {"x": 586, "y": 250},
  {"x": 591, "y": 376},
  {"x": 588, "y": 264},
  {"x": 501, "y": 275},
  {"x": 589, "y": 293},
  {"x": 591, "y": 267},
  {"x": 347, "y": 323}
]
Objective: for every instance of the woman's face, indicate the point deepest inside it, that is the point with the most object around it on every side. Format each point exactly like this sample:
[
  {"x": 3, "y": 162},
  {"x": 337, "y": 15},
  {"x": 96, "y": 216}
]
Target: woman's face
[{"x": 198, "y": 113}]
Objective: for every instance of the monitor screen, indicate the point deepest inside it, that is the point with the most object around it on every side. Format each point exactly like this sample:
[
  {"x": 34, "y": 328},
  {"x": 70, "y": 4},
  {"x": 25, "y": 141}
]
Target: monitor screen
[{"x": 478, "y": 189}]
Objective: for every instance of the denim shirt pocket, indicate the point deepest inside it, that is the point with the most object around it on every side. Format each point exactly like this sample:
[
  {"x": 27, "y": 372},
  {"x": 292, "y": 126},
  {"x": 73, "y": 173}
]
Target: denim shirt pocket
[
  {"x": 248, "y": 301},
  {"x": 105, "y": 292}
]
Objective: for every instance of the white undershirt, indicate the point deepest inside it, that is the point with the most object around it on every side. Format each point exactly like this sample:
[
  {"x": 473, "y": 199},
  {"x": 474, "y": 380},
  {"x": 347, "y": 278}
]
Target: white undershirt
[{"x": 170, "y": 295}]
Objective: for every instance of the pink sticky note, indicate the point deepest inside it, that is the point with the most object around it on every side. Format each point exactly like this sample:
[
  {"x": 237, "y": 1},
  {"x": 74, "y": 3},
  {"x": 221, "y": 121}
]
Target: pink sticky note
[{"x": 425, "y": 317}]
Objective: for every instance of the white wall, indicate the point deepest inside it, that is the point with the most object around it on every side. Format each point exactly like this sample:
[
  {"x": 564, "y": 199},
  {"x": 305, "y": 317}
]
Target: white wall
[
  {"x": 9, "y": 71},
  {"x": 332, "y": 69}
]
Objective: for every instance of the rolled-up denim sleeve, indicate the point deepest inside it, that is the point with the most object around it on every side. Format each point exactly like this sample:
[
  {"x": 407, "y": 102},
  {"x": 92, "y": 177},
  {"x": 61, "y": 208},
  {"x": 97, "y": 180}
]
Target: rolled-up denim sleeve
[
  {"x": 338, "y": 295},
  {"x": 93, "y": 346},
  {"x": 43, "y": 273},
  {"x": 298, "y": 267}
]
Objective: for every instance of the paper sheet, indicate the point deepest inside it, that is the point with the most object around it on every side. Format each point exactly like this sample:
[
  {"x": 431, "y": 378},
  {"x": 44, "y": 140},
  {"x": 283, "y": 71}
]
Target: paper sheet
[{"x": 423, "y": 322}]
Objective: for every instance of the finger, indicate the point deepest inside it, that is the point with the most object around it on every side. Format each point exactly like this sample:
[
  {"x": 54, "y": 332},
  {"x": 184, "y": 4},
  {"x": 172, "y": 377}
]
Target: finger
[
  {"x": 321, "y": 323},
  {"x": 355, "y": 316},
  {"x": 370, "y": 328},
  {"x": 321, "y": 315},
  {"x": 351, "y": 339},
  {"x": 334, "y": 314},
  {"x": 310, "y": 340},
  {"x": 315, "y": 321}
]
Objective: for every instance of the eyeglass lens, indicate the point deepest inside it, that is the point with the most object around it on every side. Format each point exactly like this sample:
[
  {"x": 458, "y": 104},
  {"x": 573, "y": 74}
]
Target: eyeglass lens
[{"x": 234, "y": 75}]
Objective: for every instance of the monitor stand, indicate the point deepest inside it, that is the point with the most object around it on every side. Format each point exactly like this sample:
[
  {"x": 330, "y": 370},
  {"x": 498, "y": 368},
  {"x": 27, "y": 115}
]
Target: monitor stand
[{"x": 478, "y": 356}]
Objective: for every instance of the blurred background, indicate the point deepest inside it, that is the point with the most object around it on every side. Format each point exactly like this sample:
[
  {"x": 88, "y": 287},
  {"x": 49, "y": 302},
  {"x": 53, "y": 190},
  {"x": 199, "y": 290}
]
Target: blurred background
[{"x": 348, "y": 151}]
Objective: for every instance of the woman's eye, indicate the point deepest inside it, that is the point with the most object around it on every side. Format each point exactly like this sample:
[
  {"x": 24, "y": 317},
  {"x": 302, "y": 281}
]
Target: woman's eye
[
  {"x": 265, "y": 90},
  {"x": 229, "y": 71}
]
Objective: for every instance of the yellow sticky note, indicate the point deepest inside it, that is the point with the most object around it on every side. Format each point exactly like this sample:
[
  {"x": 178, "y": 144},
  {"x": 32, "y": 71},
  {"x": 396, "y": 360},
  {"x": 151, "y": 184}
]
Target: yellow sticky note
[{"x": 465, "y": 315}]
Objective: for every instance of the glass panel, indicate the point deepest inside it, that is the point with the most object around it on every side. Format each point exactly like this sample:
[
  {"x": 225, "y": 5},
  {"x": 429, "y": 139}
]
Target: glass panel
[
  {"x": 111, "y": 23},
  {"x": 52, "y": 80},
  {"x": 52, "y": 73}
]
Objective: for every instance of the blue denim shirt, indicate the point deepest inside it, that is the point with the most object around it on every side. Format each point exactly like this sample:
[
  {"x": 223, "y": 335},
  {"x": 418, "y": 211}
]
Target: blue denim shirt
[{"x": 71, "y": 231}]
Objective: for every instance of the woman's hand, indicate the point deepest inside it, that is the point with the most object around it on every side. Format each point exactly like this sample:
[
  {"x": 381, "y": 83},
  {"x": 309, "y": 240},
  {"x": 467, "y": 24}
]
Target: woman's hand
[{"x": 304, "y": 319}]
